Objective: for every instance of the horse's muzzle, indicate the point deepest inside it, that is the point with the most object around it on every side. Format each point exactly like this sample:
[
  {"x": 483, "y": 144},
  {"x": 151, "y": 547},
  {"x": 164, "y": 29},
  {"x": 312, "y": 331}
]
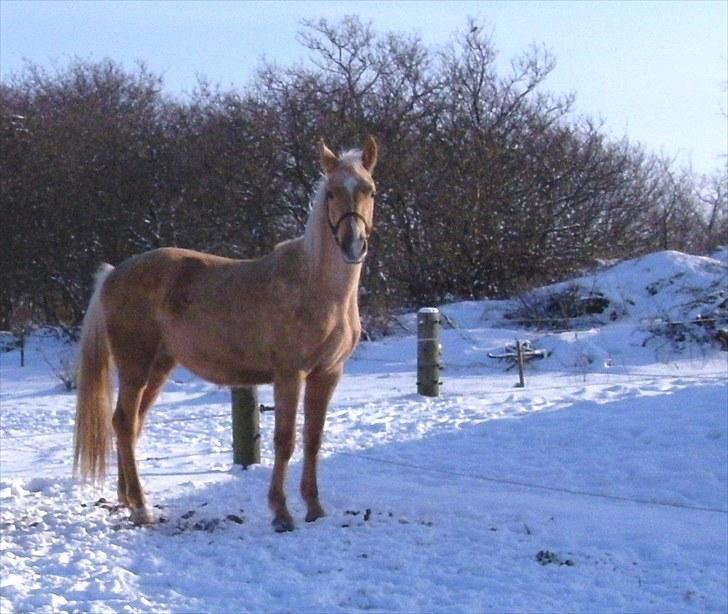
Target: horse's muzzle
[
  {"x": 355, "y": 251},
  {"x": 351, "y": 237}
]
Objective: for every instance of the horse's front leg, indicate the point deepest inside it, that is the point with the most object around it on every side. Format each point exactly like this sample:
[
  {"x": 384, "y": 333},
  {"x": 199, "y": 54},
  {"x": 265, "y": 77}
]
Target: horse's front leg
[
  {"x": 319, "y": 388},
  {"x": 286, "y": 392}
]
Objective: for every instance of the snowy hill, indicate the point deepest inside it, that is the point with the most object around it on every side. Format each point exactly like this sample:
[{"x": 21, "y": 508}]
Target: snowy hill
[
  {"x": 600, "y": 486},
  {"x": 661, "y": 307}
]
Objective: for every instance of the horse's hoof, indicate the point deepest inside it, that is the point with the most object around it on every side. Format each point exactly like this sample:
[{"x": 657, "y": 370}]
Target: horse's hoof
[
  {"x": 282, "y": 525},
  {"x": 141, "y": 517},
  {"x": 315, "y": 513}
]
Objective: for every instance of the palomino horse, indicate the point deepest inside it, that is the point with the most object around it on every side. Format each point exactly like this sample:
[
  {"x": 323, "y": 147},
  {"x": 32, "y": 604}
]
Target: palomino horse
[{"x": 289, "y": 318}]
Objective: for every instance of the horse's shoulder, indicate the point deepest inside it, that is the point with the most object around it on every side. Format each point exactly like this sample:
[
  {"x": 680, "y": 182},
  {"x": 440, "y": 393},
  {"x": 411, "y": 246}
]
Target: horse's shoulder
[{"x": 288, "y": 258}]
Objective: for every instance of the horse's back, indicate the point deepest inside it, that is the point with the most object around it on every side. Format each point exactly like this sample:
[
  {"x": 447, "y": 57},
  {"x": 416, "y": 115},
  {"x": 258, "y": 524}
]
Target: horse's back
[
  {"x": 217, "y": 316},
  {"x": 157, "y": 267}
]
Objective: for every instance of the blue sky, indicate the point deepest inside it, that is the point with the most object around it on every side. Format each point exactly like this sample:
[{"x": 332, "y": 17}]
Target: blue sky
[{"x": 653, "y": 71}]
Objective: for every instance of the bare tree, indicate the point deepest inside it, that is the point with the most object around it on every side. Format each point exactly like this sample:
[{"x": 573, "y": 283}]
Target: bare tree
[{"x": 491, "y": 183}]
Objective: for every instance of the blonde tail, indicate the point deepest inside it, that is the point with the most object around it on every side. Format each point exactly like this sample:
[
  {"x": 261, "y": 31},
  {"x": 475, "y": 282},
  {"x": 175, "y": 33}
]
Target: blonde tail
[{"x": 92, "y": 436}]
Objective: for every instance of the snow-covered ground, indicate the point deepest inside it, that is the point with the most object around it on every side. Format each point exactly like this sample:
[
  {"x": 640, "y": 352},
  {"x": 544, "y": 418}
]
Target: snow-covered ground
[{"x": 600, "y": 486}]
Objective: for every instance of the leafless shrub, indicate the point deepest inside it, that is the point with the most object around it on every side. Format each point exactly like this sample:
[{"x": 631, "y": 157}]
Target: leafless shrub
[
  {"x": 488, "y": 182},
  {"x": 558, "y": 310},
  {"x": 64, "y": 367}
]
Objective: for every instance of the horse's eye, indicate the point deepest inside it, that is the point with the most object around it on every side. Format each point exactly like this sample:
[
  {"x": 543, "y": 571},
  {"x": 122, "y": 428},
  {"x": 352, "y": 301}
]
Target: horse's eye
[{"x": 329, "y": 194}]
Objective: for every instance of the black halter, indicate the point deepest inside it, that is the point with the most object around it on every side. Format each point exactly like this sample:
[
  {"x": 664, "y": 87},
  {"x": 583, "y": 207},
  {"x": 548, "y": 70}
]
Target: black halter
[{"x": 335, "y": 227}]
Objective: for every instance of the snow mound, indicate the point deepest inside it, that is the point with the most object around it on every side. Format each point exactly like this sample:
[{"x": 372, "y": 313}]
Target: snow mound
[
  {"x": 668, "y": 285},
  {"x": 721, "y": 254},
  {"x": 657, "y": 307}
]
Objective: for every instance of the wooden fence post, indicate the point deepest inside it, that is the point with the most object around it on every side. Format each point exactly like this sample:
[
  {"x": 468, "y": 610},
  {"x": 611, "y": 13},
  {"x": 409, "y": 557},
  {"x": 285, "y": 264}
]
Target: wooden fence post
[
  {"x": 428, "y": 352},
  {"x": 519, "y": 358},
  {"x": 246, "y": 426}
]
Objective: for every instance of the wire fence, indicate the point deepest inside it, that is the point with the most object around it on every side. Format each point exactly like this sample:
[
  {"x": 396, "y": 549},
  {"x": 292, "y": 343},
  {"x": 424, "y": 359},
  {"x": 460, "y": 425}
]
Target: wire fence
[
  {"x": 637, "y": 377},
  {"x": 617, "y": 375},
  {"x": 614, "y": 378},
  {"x": 528, "y": 485}
]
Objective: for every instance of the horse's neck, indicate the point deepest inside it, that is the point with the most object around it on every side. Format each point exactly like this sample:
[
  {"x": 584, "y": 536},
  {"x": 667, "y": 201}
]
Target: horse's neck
[{"x": 330, "y": 275}]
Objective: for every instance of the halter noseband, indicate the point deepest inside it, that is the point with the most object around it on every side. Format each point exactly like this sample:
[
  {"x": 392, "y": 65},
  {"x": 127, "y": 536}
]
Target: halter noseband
[
  {"x": 335, "y": 227},
  {"x": 335, "y": 231}
]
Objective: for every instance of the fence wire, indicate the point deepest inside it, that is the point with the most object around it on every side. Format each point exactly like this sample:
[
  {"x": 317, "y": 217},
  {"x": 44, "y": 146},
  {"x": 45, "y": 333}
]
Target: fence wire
[
  {"x": 528, "y": 485},
  {"x": 616, "y": 376}
]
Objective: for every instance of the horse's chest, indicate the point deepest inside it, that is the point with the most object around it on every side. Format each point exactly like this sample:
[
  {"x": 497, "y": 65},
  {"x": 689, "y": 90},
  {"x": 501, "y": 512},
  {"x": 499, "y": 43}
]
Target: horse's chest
[{"x": 322, "y": 344}]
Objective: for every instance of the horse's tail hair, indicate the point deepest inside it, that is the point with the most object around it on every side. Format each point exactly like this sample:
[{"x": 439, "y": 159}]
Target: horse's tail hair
[{"x": 92, "y": 435}]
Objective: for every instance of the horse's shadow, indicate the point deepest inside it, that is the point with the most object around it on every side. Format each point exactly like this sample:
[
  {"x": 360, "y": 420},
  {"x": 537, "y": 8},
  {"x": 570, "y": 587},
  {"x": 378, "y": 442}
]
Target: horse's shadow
[
  {"x": 235, "y": 499},
  {"x": 214, "y": 549}
]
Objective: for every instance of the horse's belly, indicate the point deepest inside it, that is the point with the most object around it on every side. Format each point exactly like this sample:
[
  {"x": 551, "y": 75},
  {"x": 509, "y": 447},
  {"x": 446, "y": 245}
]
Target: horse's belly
[
  {"x": 216, "y": 359},
  {"x": 228, "y": 375}
]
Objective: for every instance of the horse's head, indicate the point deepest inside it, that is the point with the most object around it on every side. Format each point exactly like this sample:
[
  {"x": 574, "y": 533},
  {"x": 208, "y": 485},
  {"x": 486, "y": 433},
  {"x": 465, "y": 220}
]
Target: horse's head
[{"x": 350, "y": 197}]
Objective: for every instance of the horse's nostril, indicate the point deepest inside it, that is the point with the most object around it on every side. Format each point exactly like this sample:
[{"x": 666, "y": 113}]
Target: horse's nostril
[{"x": 354, "y": 250}]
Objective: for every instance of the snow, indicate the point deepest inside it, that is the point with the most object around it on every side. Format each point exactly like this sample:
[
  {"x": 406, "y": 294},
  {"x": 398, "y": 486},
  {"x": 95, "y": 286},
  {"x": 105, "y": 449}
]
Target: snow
[{"x": 600, "y": 486}]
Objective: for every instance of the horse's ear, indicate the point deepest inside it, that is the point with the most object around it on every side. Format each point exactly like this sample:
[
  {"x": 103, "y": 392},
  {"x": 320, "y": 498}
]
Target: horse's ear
[
  {"x": 369, "y": 154},
  {"x": 328, "y": 157}
]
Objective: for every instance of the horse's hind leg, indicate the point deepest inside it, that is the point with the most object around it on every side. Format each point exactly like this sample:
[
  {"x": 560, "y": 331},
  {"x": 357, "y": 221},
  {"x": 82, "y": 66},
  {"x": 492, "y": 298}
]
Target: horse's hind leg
[
  {"x": 125, "y": 422},
  {"x": 158, "y": 374},
  {"x": 161, "y": 367}
]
